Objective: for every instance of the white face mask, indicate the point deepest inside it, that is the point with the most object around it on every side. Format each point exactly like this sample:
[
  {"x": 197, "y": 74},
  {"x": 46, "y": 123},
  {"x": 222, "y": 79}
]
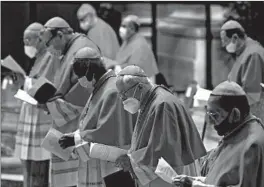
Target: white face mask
[
  {"x": 131, "y": 105},
  {"x": 123, "y": 32},
  {"x": 85, "y": 83},
  {"x": 30, "y": 51},
  {"x": 231, "y": 47},
  {"x": 86, "y": 25}
]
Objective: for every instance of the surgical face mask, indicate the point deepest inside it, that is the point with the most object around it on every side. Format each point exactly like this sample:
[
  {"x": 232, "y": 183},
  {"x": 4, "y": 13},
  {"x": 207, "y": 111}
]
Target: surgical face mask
[
  {"x": 231, "y": 47},
  {"x": 85, "y": 25},
  {"x": 131, "y": 105},
  {"x": 123, "y": 32},
  {"x": 85, "y": 83},
  {"x": 30, "y": 51}
]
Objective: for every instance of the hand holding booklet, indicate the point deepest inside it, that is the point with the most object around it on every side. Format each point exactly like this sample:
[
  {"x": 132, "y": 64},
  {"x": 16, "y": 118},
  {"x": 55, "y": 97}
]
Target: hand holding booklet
[
  {"x": 106, "y": 152},
  {"x": 51, "y": 144},
  {"x": 165, "y": 171}
]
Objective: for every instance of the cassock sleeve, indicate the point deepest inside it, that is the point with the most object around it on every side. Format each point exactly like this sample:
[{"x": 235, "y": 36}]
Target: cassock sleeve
[
  {"x": 62, "y": 112},
  {"x": 113, "y": 126},
  {"x": 252, "y": 77}
]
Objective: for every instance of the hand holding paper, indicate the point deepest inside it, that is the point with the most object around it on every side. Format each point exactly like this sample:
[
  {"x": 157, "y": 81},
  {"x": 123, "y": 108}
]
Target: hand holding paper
[
  {"x": 165, "y": 171},
  {"x": 24, "y": 96},
  {"x": 50, "y": 143}
]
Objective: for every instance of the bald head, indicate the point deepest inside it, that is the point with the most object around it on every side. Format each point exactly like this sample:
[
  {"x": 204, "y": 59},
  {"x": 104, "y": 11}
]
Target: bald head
[
  {"x": 132, "y": 19},
  {"x": 84, "y": 10}
]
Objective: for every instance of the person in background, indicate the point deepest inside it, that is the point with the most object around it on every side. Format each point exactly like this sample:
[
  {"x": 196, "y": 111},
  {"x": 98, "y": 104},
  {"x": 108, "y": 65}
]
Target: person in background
[
  {"x": 135, "y": 49},
  {"x": 34, "y": 123},
  {"x": 163, "y": 129},
  {"x": 248, "y": 68},
  {"x": 111, "y": 16},
  {"x": 103, "y": 121},
  {"x": 99, "y": 32},
  {"x": 68, "y": 102},
  {"x": 238, "y": 159}
]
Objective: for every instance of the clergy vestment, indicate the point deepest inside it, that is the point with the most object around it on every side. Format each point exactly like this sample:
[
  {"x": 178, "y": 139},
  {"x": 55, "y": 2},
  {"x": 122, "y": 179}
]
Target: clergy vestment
[
  {"x": 66, "y": 110},
  {"x": 164, "y": 129},
  {"x": 248, "y": 72},
  {"x": 105, "y": 37},
  {"x": 34, "y": 124},
  {"x": 136, "y": 51},
  {"x": 238, "y": 159},
  {"x": 103, "y": 121}
]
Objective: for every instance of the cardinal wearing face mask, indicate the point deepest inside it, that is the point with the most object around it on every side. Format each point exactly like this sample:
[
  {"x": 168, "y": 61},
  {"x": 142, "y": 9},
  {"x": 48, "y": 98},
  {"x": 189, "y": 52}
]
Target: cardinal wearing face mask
[
  {"x": 163, "y": 129},
  {"x": 238, "y": 158},
  {"x": 248, "y": 68},
  {"x": 135, "y": 50},
  {"x": 33, "y": 122},
  {"x": 68, "y": 102},
  {"x": 103, "y": 120},
  {"x": 99, "y": 32}
]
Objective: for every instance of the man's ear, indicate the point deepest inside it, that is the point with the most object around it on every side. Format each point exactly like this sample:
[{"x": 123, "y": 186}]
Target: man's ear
[{"x": 235, "y": 116}]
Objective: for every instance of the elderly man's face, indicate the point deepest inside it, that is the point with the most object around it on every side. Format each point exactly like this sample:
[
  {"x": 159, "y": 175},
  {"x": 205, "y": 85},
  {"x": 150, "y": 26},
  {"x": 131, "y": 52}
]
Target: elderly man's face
[
  {"x": 224, "y": 39},
  {"x": 217, "y": 116},
  {"x": 127, "y": 29}
]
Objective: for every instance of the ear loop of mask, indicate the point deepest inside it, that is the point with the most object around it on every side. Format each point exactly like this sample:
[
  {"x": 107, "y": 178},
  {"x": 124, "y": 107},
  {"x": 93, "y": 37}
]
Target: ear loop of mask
[{"x": 136, "y": 91}]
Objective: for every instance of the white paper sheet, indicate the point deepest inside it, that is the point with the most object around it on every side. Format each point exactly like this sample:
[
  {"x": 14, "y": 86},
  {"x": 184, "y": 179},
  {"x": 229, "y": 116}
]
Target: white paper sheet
[
  {"x": 202, "y": 94},
  {"x": 165, "y": 171},
  {"x": 105, "y": 152},
  {"x": 24, "y": 96},
  {"x": 262, "y": 85},
  {"x": 11, "y": 64},
  {"x": 51, "y": 144}
]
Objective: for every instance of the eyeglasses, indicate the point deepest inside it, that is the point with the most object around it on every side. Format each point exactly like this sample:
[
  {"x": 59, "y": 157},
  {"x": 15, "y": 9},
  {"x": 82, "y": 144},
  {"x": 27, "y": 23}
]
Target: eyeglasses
[
  {"x": 123, "y": 95},
  {"x": 214, "y": 115}
]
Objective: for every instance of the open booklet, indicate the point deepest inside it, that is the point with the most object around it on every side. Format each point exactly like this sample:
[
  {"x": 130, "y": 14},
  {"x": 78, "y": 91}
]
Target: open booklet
[
  {"x": 11, "y": 64},
  {"x": 106, "y": 152},
  {"x": 51, "y": 144},
  {"x": 165, "y": 171}
]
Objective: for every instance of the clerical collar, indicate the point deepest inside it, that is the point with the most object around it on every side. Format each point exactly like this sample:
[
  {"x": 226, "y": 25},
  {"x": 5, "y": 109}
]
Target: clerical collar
[
  {"x": 151, "y": 92},
  {"x": 100, "y": 82},
  {"x": 70, "y": 42},
  {"x": 238, "y": 128},
  {"x": 41, "y": 52}
]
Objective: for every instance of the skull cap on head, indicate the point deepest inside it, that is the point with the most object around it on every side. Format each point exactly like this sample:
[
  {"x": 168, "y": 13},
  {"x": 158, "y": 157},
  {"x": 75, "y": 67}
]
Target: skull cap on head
[
  {"x": 33, "y": 30},
  {"x": 228, "y": 88},
  {"x": 35, "y": 27},
  {"x": 232, "y": 25},
  {"x": 57, "y": 23},
  {"x": 132, "y": 18},
  {"x": 132, "y": 70},
  {"x": 84, "y": 10},
  {"x": 87, "y": 53}
]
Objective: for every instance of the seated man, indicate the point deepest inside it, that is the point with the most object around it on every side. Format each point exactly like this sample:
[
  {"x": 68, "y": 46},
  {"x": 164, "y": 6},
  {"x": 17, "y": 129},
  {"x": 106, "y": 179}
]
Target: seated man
[
  {"x": 238, "y": 159},
  {"x": 163, "y": 129}
]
